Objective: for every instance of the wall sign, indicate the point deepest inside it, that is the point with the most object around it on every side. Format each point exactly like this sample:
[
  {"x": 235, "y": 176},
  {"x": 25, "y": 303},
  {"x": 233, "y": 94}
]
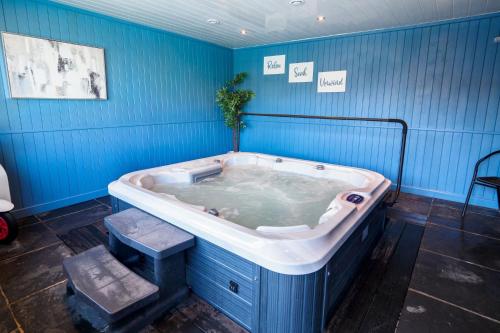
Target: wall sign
[
  {"x": 42, "y": 68},
  {"x": 274, "y": 65},
  {"x": 332, "y": 81},
  {"x": 301, "y": 72}
]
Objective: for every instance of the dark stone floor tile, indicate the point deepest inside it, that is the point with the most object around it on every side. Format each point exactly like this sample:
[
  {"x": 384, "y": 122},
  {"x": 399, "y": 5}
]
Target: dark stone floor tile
[
  {"x": 447, "y": 212},
  {"x": 462, "y": 245},
  {"x": 410, "y": 207},
  {"x": 391, "y": 292},
  {"x": 176, "y": 322},
  {"x": 484, "y": 211},
  {"x": 79, "y": 219},
  {"x": 472, "y": 222},
  {"x": 27, "y": 221},
  {"x": 7, "y": 323},
  {"x": 207, "y": 317},
  {"x": 86, "y": 237},
  {"x": 106, "y": 200},
  {"x": 447, "y": 203},
  {"x": 31, "y": 272},
  {"x": 472, "y": 208},
  {"x": 149, "y": 329},
  {"x": 413, "y": 204},
  {"x": 101, "y": 227},
  {"x": 352, "y": 310},
  {"x": 29, "y": 238},
  {"x": 403, "y": 196},
  {"x": 402, "y": 215},
  {"x": 47, "y": 311},
  {"x": 47, "y": 216},
  {"x": 472, "y": 287},
  {"x": 423, "y": 314}
]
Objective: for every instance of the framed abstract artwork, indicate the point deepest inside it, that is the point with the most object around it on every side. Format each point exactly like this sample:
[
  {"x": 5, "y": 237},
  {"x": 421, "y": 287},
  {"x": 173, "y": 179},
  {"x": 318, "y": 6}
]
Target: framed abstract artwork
[{"x": 48, "y": 69}]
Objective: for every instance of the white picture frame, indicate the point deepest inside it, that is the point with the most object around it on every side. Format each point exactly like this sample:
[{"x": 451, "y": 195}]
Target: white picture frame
[
  {"x": 301, "y": 72},
  {"x": 39, "y": 68},
  {"x": 274, "y": 65},
  {"x": 332, "y": 82}
]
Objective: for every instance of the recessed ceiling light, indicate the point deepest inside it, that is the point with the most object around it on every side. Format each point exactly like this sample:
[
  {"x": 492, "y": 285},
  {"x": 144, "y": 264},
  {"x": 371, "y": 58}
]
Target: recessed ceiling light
[
  {"x": 320, "y": 18},
  {"x": 296, "y": 2},
  {"x": 243, "y": 32},
  {"x": 213, "y": 21}
]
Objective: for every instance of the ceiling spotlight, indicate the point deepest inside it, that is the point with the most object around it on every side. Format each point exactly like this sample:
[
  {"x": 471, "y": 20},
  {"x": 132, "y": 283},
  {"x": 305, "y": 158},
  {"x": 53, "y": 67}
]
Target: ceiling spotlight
[
  {"x": 213, "y": 21},
  {"x": 243, "y": 32},
  {"x": 296, "y": 2},
  {"x": 320, "y": 18}
]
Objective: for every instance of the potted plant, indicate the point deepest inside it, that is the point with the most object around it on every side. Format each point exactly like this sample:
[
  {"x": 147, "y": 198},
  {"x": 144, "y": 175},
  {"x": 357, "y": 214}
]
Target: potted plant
[{"x": 232, "y": 101}]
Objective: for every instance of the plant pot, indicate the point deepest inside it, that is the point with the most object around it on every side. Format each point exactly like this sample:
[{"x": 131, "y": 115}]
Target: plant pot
[{"x": 236, "y": 140}]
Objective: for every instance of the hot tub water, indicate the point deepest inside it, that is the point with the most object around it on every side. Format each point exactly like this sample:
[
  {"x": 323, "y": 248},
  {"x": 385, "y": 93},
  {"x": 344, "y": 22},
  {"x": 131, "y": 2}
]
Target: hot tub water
[{"x": 254, "y": 196}]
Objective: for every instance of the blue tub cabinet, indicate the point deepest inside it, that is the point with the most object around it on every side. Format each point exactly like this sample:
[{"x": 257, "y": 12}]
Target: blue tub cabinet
[{"x": 264, "y": 301}]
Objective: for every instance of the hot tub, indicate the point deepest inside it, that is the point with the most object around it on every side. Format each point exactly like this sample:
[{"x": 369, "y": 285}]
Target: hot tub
[{"x": 268, "y": 230}]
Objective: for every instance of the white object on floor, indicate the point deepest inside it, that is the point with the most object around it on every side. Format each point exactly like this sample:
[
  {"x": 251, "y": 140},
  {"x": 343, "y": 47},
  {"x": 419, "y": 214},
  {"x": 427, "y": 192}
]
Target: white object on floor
[
  {"x": 6, "y": 206},
  {"x": 5, "y": 202}
]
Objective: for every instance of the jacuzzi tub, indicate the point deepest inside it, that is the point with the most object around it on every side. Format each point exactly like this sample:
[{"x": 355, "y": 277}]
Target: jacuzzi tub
[
  {"x": 298, "y": 249},
  {"x": 275, "y": 276}
]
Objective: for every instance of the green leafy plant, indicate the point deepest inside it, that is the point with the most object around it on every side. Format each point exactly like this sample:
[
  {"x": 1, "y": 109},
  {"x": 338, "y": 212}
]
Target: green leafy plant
[{"x": 232, "y": 101}]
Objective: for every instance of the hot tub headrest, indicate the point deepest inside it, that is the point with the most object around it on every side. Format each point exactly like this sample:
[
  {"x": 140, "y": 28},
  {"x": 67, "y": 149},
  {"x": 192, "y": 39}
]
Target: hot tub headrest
[{"x": 205, "y": 171}]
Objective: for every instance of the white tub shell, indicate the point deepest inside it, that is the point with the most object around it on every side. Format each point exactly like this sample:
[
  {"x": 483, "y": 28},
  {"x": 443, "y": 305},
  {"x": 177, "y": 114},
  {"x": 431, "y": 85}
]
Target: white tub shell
[{"x": 287, "y": 250}]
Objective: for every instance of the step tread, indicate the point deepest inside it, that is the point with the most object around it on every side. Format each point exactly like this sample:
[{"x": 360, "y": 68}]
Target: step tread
[
  {"x": 148, "y": 234},
  {"x": 109, "y": 286}
]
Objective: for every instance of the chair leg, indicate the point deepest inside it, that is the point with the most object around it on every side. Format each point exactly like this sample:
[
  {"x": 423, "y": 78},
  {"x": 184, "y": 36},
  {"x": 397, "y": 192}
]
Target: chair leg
[
  {"x": 498, "y": 197},
  {"x": 466, "y": 204}
]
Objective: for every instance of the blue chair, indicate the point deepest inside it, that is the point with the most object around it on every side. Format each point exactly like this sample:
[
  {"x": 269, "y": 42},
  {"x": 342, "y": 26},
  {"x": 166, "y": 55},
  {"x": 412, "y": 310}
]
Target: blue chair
[{"x": 488, "y": 181}]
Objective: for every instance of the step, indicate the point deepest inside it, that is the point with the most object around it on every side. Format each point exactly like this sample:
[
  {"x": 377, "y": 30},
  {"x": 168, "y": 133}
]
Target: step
[
  {"x": 101, "y": 281},
  {"x": 148, "y": 234}
]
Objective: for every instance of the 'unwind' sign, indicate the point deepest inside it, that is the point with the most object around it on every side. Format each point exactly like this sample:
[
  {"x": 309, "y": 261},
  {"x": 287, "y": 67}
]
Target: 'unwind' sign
[
  {"x": 274, "y": 65},
  {"x": 332, "y": 81},
  {"x": 301, "y": 72}
]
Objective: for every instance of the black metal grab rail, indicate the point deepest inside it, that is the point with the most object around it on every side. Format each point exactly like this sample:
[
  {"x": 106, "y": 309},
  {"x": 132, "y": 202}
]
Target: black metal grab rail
[{"x": 404, "y": 132}]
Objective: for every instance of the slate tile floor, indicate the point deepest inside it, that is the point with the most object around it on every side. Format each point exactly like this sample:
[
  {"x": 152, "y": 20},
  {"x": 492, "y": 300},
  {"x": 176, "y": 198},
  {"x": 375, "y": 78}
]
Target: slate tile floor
[
  {"x": 455, "y": 284},
  {"x": 431, "y": 272}
]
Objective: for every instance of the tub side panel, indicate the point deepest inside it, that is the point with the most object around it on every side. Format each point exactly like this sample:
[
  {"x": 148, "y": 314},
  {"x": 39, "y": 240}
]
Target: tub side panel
[
  {"x": 305, "y": 303},
  {"x": 118, "y": 205},
  {"x": 225, "y": 280},
  {"x": 291, "y": 303},
  {"x": 343, "y": 268}
]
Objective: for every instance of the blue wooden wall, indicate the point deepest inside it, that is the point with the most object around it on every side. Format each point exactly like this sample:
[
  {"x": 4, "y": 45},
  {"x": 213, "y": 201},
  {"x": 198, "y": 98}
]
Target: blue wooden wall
[
  {"x": 443, "y": 79},
  {"x": 161, "y": 108}
]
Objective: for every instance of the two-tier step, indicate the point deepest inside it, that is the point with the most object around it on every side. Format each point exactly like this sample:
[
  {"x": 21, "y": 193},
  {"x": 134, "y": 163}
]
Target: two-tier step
[{"x": 142, "y": 277}]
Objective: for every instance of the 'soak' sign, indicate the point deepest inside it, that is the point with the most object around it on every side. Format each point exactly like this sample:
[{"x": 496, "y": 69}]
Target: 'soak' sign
[{"x": 301, "y": 72}]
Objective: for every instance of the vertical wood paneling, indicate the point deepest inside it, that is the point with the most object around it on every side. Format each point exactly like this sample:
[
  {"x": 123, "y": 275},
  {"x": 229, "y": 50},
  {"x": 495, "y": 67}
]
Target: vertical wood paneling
[
  {"x": 444, "y": 80},
  {"x": 160, "y": 110}
]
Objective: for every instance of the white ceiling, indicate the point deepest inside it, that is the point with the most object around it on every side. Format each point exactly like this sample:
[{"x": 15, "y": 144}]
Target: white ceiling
[{"x": 272, "y": 21}]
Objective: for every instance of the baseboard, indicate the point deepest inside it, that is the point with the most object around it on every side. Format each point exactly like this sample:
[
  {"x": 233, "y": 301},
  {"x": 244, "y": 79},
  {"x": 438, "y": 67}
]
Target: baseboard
[
  {"x": 44, "y": 207},
  {"x": 448, "y": 196}
]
